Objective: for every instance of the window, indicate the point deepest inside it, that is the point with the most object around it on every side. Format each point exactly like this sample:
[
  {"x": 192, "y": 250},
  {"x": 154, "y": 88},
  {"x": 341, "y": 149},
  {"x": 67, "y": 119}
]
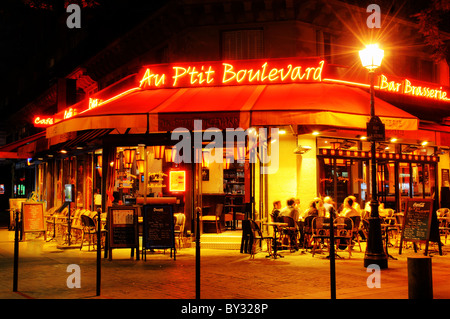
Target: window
[
  {"x": 323, "y": 45},
  {"x": 242, "y": 44}
]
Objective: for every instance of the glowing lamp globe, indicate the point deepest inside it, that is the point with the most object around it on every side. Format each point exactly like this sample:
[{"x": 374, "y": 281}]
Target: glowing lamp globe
[{"x": 371, "y": 56}]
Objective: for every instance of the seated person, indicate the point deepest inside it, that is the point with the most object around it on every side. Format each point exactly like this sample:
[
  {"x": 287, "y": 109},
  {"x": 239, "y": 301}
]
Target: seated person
[
  {"x": 290, "y": 210},
  {"x": 355, "y": 204},
  {"x": 349, "y": 210},
  {"x": 276, "y": 210},
  {"x": 368, "y": 208},
  {"x": 311, "y": 210}
]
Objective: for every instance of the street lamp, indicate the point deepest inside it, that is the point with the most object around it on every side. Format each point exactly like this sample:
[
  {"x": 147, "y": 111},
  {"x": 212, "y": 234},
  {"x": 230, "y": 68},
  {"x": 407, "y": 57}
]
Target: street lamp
[{"x": 371, "y": 58}]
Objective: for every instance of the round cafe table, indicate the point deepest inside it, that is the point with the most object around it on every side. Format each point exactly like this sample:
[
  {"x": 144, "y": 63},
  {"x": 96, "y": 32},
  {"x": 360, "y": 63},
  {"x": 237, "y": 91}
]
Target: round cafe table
[{"x": 275, "y": 226}]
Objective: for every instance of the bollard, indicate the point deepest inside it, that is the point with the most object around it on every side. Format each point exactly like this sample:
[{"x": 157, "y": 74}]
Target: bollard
[
  {"x": 420, "y": 281},
  {"x": 197, "y": 254},
  {"x": 16, "y": 252},
  {"x": 99, "y": 251}
]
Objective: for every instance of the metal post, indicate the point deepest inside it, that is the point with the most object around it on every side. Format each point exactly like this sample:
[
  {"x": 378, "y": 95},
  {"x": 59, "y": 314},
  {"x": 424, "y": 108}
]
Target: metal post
[
  {"x": 332, "y": 257},
  {"x": 99, "y": 250},
  {"x": 197, "y": 254},
  {"x": 374, "y": 251},
  {"x": 16, "y": 252}
]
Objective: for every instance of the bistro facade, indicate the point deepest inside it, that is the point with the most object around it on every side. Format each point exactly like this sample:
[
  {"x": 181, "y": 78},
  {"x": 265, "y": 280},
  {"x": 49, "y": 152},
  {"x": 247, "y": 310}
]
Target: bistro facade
[
  {"x": 298, "y": 111},
  {"x": 303, "y": 136}
]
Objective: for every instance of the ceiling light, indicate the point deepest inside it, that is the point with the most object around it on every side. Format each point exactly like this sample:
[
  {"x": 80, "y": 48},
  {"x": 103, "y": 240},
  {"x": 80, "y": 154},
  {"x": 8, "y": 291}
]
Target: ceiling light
[{"x": 302, "y": 149}]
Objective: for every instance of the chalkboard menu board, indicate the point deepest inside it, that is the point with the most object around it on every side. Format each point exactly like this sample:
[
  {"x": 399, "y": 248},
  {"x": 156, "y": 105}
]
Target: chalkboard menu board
[
  {"x": 158, "y": 231},
  {"x": 417, "y": 221},
  {"x": 123, "y": 227},
  {"x": 33, "y": 217}
]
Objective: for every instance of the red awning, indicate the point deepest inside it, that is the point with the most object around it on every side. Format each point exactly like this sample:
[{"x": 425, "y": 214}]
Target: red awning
[
  {"x": 239, "y": 106},
  {"x": 325, "y": 104},
  {"x": 12, "y": 150}
]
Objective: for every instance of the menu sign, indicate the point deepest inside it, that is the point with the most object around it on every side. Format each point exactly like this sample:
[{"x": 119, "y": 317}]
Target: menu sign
[
  {"x": 33, "y": 217},
  {"x": 417, "y": 222},
  {"x": 158, "y": 227},
  {"x": 123, "y": 227}
]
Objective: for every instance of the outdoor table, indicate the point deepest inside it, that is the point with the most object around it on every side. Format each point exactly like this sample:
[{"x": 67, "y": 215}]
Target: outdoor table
[{"x": 275, "y": 226}]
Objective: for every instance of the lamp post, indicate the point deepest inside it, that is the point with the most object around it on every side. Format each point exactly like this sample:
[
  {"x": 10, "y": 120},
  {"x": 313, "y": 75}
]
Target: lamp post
[{"x": 371, "y": 58}]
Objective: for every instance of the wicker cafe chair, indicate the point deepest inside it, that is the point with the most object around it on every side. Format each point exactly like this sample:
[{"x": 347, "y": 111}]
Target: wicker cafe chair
[
  {"x": 89, "y": 229},
  {"x": 75, "y": 227},
  {"x": 214, "y": 218},
  {"x": 257, "y": 238},
  {"x": 307, "y": 232},
  {"x": 343, "y": 228},
  {"x": 320, "y": 232},
  {"x": 50, "y": 222},
  {"x": 61, "y": 221},
  {"x": 289, "y": 233},
  {"x": 444, "y": 225},
  {"x": 179, "y": 222},
  {"x": 356, "y": 224}
]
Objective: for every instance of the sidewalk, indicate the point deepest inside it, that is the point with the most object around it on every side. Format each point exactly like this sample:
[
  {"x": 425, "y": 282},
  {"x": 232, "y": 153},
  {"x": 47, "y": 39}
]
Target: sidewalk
[{"x": 225, "y": 274}]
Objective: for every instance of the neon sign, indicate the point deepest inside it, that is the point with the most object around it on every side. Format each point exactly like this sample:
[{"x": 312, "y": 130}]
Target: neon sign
[
  {"x": 231, "y": 73},
  {"x": 40, "y": 121},
  {"x": 405, "y": 87},
  {"x": 177, "y": 181},
  {"x": 68, "y": 113},
  {"x": 93, "y": 103}
]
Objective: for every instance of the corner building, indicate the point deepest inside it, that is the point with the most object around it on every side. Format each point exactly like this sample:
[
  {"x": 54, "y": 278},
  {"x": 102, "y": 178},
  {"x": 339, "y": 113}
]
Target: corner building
[{"x": 290, "y": 65}]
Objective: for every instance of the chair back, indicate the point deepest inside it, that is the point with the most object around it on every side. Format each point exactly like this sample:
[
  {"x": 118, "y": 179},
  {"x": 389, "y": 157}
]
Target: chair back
[
  {"x": 320, "y": 226},
  {"x": 308, "y": 224},
  {"x": 256, "y": 231},
  {"x": 87, "y": 221},
  {"x": 389, "y": 211},
  {"x": 442, "y": 212},
  {"x": 180, "y": 220},
  {"x": 288, "y": 220},
  {"x": 219, "y": 209},
  {"x": 343, "y": 226},
  {"x": 356, "y": 222}
]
